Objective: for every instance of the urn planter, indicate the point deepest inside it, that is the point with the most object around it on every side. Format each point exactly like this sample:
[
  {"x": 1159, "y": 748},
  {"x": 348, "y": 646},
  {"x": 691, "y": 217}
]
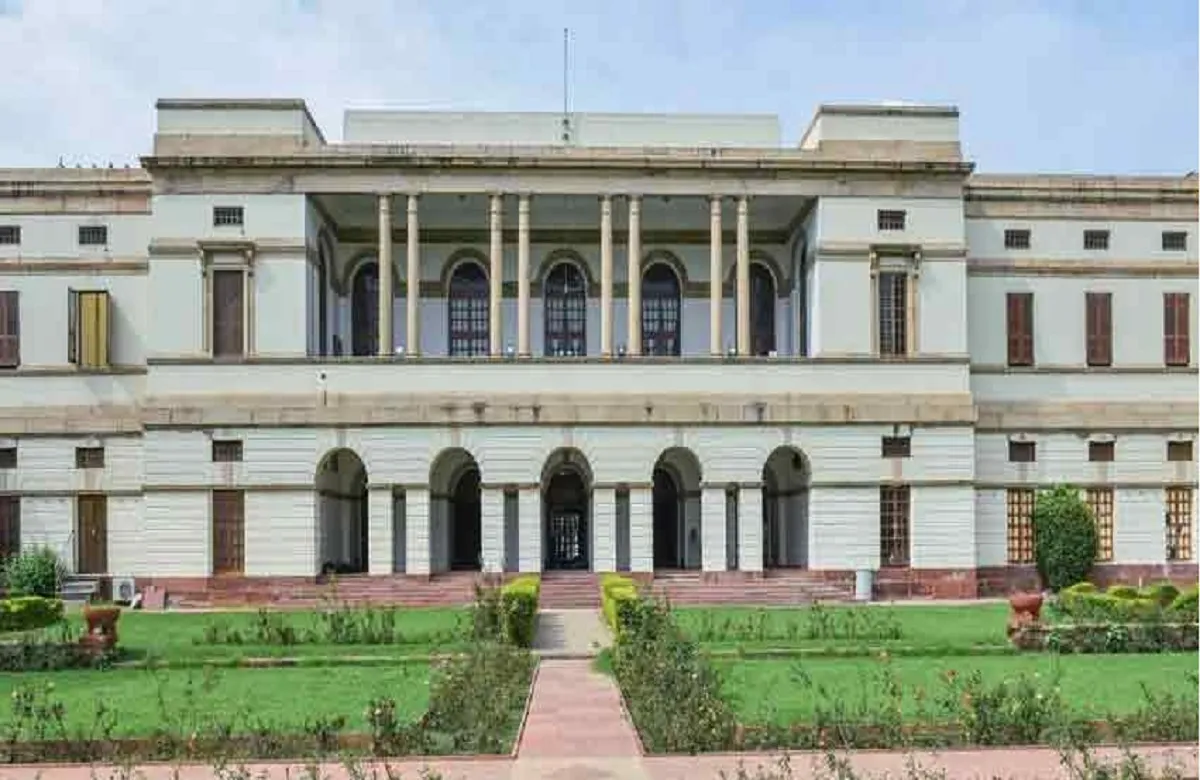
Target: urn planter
[
  {"x": 1026, "y": 610},
  {"x": 101, "y": 623}
]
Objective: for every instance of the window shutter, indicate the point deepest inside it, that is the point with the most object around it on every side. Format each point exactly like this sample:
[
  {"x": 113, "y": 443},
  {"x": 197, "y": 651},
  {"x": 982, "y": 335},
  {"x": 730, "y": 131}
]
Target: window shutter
[
  {"x": 1176, "y": 336},
  {"x": 1099, "y": 328},
  {"x": 10, "y": 329},
  {"x": 228, "y": 314},
  {"x": 1020, "y": 329}
]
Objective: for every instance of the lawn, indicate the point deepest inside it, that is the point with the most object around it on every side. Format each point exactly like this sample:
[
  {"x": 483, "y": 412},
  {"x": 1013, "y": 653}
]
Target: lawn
[
  {"x": 188, "y": 700},
  {"x": 1092, "y": 685}
]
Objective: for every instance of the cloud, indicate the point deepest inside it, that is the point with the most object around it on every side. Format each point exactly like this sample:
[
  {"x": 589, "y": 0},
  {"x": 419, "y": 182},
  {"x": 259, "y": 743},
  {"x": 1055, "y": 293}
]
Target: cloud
[{"x": 1042, "y": 85}]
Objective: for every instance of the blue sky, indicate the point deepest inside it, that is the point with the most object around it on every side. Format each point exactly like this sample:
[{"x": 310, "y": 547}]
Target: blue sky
[{"x": 1105, "y": 86}]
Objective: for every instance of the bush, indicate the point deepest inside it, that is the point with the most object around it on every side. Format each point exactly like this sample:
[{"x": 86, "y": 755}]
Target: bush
[
  {"x": 1185, "y": 604},
  {"x": 1123, "y": 592},
  {"x": 28, "y": 613},
  {"x": 619, "y": 601},
  {"x": 1064, "y": 537},
  {"x": 1108, "y": 638},
  {"x": 519, "y": 606},
  {"x": 34, "y": 573},
  {"x": 1163, "y": 592}
]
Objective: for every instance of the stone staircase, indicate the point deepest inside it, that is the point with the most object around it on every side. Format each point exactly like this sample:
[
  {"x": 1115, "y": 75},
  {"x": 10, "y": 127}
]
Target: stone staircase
[
  {"x": 78, "y": 589},
  {"x": 451, "y": 589},
  {"x": 570, "y": 590},
  {"x": 776, "y": 588}
]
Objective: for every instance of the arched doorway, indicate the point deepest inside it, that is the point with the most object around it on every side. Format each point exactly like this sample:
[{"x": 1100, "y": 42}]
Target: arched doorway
[
  {"x": 662, "y": 307},
  {"x": 676, "y": 510},
  {"x": 342, "y": 513},
  {"x": 762, "y": 310},
  {"x": 468, "y": 312},
  {"x": 786, "y": 477},
  {"x": 364, "y": 310},
  {"x": 566, "y": 510},
  {"x": 456, "y": 536},
  {"x": 565, "y": 311}
]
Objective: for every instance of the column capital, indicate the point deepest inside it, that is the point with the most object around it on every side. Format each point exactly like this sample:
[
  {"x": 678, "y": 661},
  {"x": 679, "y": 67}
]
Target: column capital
[
  {"x": 743, "y": 202},
  {"x": 413, "y": 199},
  {"x": 523, "y": 201},
  {"x": 605, "y": 201},
  {"x": 635, "y": 203},
  {"x": 385, "y": 201}
]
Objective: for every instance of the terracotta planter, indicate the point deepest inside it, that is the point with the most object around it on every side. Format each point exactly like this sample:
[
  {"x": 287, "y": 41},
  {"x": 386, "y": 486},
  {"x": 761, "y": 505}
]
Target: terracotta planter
[
  {"x": 1026, "y": 610},
  {"x": 101, "y": 627}
]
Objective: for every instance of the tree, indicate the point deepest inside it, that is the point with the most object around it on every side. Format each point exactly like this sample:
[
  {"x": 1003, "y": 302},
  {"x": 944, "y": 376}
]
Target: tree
[{"x": 1064, "y": 537}]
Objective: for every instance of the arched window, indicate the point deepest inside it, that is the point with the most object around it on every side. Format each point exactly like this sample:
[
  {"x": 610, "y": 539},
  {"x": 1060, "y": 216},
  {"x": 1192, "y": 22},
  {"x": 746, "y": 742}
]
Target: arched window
[
  {"x": 661, "y": 310},
  {"x": 565, "y": 312},
  {"x": 468, "y": 311},
  {"x": 762, "y": 310},
  {"x": 364, "y": 310}
]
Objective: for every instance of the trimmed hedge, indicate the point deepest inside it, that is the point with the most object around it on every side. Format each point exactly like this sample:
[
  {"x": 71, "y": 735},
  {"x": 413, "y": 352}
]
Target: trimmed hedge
[
  {"x": 28, "y": 613},
  {"x": 1125, "y": 604},
  {"x": 1108, "y": 637},
  {"x": 519, "y": 607},
  {"x": 619, "y": 601}
]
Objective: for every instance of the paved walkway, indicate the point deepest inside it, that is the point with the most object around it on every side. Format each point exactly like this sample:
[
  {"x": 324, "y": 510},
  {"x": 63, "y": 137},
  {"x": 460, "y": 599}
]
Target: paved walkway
[{"x": 570, "y": 633}]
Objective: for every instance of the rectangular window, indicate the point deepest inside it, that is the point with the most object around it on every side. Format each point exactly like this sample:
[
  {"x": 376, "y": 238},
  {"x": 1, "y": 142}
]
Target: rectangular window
[
  {"x": 1098, "y": 326},
  {"x": 227, "y": 451},
  {"x": 893, "y": 525},
  {"x": 1102, "y": 451},
  {"x": 93, "y": 235},
  {"x": 10, "y": 526},
  {"x": 10, "y": 234},
  {"x": 1179, "y": 523},
  {"x": 89, "y": 457},
  {"x": 10, "y": 329},
  {"x": 1017, "y": 239},
  {"x": 1177, "y": 348},
  {"x": 1020, "y": 525},
  {"x": 1179, "y": 452},
  {"x": 893, "y": 313},
  {"x": 8, "y": 457},
  {"x": 1100, "y": 501},
  {"x": 88, "y": 322},
  {"x": 1022, "y": 451},
  {"x": 890, "y": 219},
  {"x": 228, "y": 531},
  {"x": 229, "y": 313},
  {"x": 1020, "y": 328},
  {"x": 228, "y": 216},
  {"x": 1095, "y": 240},
  {"x": 896, "y": 446},
  {"x": 1174, "y": 241}
]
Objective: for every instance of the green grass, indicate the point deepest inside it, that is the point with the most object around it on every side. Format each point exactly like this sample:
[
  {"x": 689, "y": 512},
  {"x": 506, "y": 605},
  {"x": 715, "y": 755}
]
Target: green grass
[
  {"x": 283, "y": 699},
  {"x": 1092, "y": 685}
]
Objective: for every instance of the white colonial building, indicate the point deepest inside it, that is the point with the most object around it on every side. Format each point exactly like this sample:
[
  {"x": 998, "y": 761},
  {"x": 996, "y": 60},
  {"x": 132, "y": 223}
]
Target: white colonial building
[{"x": 601, "y": 341}]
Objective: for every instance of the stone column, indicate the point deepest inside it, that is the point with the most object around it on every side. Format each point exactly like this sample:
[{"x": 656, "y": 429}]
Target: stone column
[
  {"x": 523, "y": 276},
  {"x": 491, "y": 531},
  {"x": 604, "y": 529},
  {"x": 715, "y": 276},
  {"x": 750, "y": 528},
  {"x": 495, "y": 276},
  {"x": 712, "y": 529},
  {"x": 641, "y": 529},
  {"x": 634, "y": 272},
  {"x": 606, "y": 277},
  {"x": 385, "y": 275},
  {"x": 379, "y": 531},
  {"x": 416, "y": 531},
  {"x": 413, "y": 273},
  {"x": 743, "y": 276},
  {"x": 529, "y": 529}
]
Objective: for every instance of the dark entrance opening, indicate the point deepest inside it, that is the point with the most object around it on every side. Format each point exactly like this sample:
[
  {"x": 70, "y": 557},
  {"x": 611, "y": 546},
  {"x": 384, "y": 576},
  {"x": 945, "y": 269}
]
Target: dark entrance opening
[
  {"x": 465, "y": 536},
  {"x": 668, "y": 503},
  {"x": 566, "y": 521}
]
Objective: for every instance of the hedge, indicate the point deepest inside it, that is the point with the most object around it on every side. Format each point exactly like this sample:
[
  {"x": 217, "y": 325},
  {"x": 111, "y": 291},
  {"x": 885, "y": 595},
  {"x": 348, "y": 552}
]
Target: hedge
[
  {"x": 519, "y": 605},
  {"x": 618, "y": 598},
  {"x": 1126, "y": 604},
  {"x": 1108, "y": 637},
  {"x": 27, "y": 613}
]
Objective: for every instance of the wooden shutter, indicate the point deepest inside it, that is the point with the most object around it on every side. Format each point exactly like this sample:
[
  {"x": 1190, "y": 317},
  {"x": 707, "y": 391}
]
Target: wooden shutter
[
  {"x": 10, "y": 329},
  {"x": 1177, "y": 349},
  {"x": 1099, "y": 328},
  {"x": 228, "y": 531},
  {"x": 1020, "y": 329},
  {"x": 10, "y": 526},
  {"x": 228, "y": 293}
]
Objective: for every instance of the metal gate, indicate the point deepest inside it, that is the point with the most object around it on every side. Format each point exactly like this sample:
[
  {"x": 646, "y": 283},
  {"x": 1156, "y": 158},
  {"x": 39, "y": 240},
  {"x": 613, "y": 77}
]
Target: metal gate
[{"x": 566, "y": 546}]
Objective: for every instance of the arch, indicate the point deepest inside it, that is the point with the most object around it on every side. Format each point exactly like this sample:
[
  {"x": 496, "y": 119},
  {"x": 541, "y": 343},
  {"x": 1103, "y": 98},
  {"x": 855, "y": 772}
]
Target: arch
[
  {"x": 677, "y": 538},
  {"x": 357, "y": 261},
  {"x": 566, "y": 255},
  {"x": 668, "y": 258},
  {"x": 787, "y": 475},
  {"x": 468, "y": 305},
  {"x": 662, "y": 309},
  {"x": 340, "y": 482},
  {"x": 456, "y": 513},
  {"x": 763, "y": 289},
  {"x": 564, "y": 310},
  {"x": 780, "y": 278},
  {"x": 364, "y": 309},
  {"x": 566, "y": 509}
]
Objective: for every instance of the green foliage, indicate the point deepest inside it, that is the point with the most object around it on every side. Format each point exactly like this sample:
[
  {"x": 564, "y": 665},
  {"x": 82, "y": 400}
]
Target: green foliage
[
  {"x": 1123, "y": 592},
  {"x": 1162, "y": 592},
  {"x": 1064, "y": 537},
  {"x": 519, "y": 606},
  {"x": 816, "y": 623},
  {"x": 1185, "y": 604},
  {"x": 619, "y": 601},
  {"x": 28, "y": 613},
  {"x": 335, "y": 624},
  {"x": 476, "y": 700},
  {"x": 37, "y": 572}
]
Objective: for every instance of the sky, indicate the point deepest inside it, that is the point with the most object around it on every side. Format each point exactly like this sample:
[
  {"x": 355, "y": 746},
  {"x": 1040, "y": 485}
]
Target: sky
[{"x": 1091, "y": 86}]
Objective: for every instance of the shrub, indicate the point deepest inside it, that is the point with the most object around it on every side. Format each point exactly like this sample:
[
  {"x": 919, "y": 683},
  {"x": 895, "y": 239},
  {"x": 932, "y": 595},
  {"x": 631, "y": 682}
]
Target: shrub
[
  {"x": 1163, "y": 592},
  {"x": 28, "y": 613},
  {"x": 1185, "y": 604},
  {"x": 1123, "y": 592},
  {"x": 1064, "y": 537},
  {"x": 619, "y": 600},
  {"x": 34, "y": 573},
  {"x": 519, "y": 606}
]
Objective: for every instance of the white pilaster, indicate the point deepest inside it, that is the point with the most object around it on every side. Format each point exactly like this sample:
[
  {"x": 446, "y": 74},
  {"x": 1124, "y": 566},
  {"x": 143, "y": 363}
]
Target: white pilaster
[
  {"x": 529, "y": 530},
  {"x": 634, "y": 273},
  {"x": 712, "y": 529},
  {"x": 491, "y": 519},
  {"x": 413, "y": 273},
  {"x": 523, "y": 276},
  {"x": 495, "y": 275},
  {"x": 715, "y": 276},
  {"x": 750, "y": 529},
  {"x": 416, "y": 530},
  {"x": 606, "y": 277},
  {"x": 379, "y": 531},
  {"x": 385, "y": 275},
  {"x": 743, "y": 276},
  {"x": 604, "y": 529},
  {"x": 641, "y": 529}
]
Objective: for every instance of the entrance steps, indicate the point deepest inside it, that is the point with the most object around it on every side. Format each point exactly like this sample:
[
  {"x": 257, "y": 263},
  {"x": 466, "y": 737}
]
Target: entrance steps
[
  {"x": 774, "y": 588},
  {"x": 570, "y": 590}
]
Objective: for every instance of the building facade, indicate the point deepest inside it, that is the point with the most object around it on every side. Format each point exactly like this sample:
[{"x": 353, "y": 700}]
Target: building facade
[{"x": 600, "y": 342}]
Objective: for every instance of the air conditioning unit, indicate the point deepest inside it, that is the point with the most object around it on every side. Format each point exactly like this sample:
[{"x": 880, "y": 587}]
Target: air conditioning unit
[{"x": 123, "y": 589}]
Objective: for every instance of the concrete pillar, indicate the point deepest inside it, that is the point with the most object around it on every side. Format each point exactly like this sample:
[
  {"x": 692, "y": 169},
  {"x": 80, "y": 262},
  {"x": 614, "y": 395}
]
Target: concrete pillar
[
  {"x": 604, "y": 529},
  {"x": 491, "y": 520},
  {"x": 634, "y": 273},
  {"x": 413, "y": 272},
  {"x": 750, "y": 528},
  {"x": 380, "y": 558},
  {"x": 416, "y": 529},
  {"x": 712, "y": 529},
  {"x": 496, "y": 274},
  {"x": 715, "y": 276},
  {"x": 743, "y": 276},
  {"x": 385, "y": 275},
  {"x": 606, "y": 277},
  {"x": 641, "y": 529},
  {"x": 523, "y": 276},
  {"x": 529, "y": 508}
]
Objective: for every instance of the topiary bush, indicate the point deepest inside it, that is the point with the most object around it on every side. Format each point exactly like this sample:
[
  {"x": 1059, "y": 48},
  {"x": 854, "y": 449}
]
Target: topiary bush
[
  {"x": 1124, "y": 592},
  {"x": 619, "y": 602},
  {"x": 1064, "y": 537},
  {"x": 519, "y": 607},
  {"x": 28, "y": 613},
  {"x": 1162, "y": 592},
  {"x": 36, "y": 572},
  {"x": 1184, "y": 607}
]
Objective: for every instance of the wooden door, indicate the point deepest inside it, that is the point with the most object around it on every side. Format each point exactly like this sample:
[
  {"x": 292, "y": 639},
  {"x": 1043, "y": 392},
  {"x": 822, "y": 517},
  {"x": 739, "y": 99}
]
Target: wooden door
[
  {"x": 228, "y": 531},
  {"x": 92, "y": 535}
]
